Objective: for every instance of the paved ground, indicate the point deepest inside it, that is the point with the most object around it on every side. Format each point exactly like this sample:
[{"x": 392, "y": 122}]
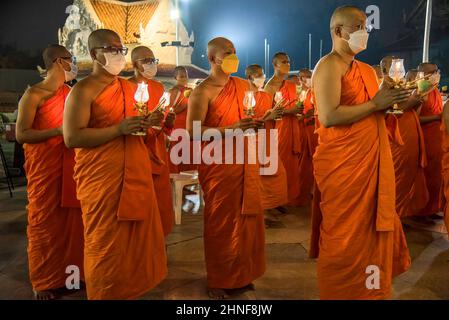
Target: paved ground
[{"x": 290, "y": 274}]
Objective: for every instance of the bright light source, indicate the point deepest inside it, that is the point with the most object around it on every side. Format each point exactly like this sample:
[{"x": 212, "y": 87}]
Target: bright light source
[{"x": 175, "y": 14}]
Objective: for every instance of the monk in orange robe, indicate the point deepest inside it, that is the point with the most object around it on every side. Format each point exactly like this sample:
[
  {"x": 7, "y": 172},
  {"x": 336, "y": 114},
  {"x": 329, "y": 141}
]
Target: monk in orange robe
[
  {"x": 430, "y": 118},
  {"x": 293, "y": 148},
  {"x": 179, "y": 99},
  {"x": 124, "y": 254},
  {"x": 445, "y": 162},
  {"x": 55, "y": 227},
  {"x": 274, "y": 185},
  {"x": 234, "y": 240},
  {"x": 157, "y": 139},
  {"x": 305, "y": 76},
  {"x": 409, "y": 153},
  {"x": 361, "y": 245},
  {"x": 379, "y": 73}
]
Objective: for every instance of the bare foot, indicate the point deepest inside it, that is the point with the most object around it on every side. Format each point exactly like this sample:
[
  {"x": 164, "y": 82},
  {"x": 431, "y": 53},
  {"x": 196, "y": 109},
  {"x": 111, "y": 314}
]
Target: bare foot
[
  {"x": 43, "y": 295},
  {"x": 217, "y": 294}
]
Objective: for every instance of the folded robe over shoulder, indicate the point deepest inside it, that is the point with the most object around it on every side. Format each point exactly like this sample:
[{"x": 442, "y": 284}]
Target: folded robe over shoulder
[
  {"x": 357, "y": 222},
  {"x": 55, "y": 226},
  {"x": 274, "y": 185},
  {"x": 234, "y": 231},
  {"x": 124, "y": 241}
]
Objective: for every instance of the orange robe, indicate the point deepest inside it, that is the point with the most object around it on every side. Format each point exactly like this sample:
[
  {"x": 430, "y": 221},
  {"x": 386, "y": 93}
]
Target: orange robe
[
  {"x": 180, "y": 123},
  {"x": 234, "y": 231},
  {"x": 445, "y": 172},
  {"x": 124, "y": 253},
  {"x": 293, "y": 151},
  {"x": 409, "y": 157},
  {"x": 274, "y": 186},
  {"x": 55, "y": 226},
  {"x": 156, "y": 142},
  {"x": 356, "y": 220},
  {"x": 312, "y": 137},
  {"x": 432, "y": 138}
]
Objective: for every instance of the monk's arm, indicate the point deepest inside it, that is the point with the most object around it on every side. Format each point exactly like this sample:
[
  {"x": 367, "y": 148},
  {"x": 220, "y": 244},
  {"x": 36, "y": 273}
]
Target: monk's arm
[
  {"x": 27, "y": 111},
  {"x": 76, "y": 121},
  {"x": 428, "y": 119},
  {"x": 446, "y": 116}
]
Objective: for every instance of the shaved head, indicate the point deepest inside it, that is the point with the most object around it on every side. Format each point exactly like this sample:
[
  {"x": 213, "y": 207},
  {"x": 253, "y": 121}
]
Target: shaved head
[
  {"x": 427, "y": 67},
  {"x": 306, "y": 73},
  {"x": 254, "y": 71},
  {"x": 279, "y": 56},
  {"x": 219, "y": 44},
  {"x": 53, "y": 52},
  {"x": 411, "y": 75},
  {"x": 103, "y": 37},
  {"x": 346, "y": 15},
  {"x": 180, "y": 70},
  {"x": 141, "y": 52},
  {"x": 385, "y": 64}
]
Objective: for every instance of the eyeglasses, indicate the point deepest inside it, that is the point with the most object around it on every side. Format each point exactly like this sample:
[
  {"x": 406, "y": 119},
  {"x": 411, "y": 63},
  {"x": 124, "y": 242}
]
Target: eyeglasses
[
  {"x": 71, "y": 59},
  {"x": 368, "y": 28},
  {"x": 148, "y": 61},
  {"x": 114, "y": 50}
]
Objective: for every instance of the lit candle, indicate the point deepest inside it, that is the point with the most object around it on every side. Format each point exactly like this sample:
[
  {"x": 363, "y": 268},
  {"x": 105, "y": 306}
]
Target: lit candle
[{"x": 142, "y": 95}]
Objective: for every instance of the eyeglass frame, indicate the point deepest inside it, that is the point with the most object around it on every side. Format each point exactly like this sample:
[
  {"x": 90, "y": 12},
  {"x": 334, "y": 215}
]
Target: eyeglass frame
[
  {"x": 153, "y": 61},
  {"x": 114, "y": 50}
]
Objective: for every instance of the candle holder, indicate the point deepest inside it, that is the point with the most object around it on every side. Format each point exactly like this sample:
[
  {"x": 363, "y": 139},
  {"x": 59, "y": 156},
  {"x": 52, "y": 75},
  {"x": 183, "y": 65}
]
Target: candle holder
[
  {"x": 141, "y": 97},
  {"x": 397, "y": 73}
]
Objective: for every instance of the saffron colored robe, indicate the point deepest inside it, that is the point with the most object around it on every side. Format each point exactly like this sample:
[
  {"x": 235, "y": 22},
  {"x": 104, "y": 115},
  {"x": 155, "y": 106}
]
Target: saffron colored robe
[
  {"x": 432, "y": 137},
  {"x": 311, "y": 136},
  {"x": 445, "y": 172},
  {"x": 234, "y": 230},
  {"x": 124, "y": 241},
  {"x": 294, "y": 152},
  {"x": 55, "y": 226},
  {"x": 274, "y": 186},
  {"x": 409, "y": 157},
  {"x": 356, "y": 224}
]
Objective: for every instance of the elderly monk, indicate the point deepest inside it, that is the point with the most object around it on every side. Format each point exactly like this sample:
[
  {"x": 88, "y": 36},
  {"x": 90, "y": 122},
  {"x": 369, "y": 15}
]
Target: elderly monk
[
  {"x": 409, "y": 152},
  {"x": 361, "y": 242},
  {"x": 430, "y": 118},
  {"x": 179, "y": 99},
  {"x": 234, "y": 239},
  {"x": 274, "y": 185},
  {"x": 293, "y": 149},
  {"x": 55, "y": 227},
  {"x": 145, "y": 68},
  {"x": 305, "y": 76},
  {"x": 124, "y": 255},
  {"x": 445, "y": 162}
]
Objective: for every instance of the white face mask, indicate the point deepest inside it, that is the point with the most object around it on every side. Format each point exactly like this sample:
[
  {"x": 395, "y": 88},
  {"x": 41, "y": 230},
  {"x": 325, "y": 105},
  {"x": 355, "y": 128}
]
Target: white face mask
[
  {"x": 114, "y": 63},
  {"x": 70, "y": 75},
  {"x": 358, "y": 41},
  {"x": 435, "y": 78},
  {"x": 149, "y": 70},
  {"x": 259, "y": 82}
]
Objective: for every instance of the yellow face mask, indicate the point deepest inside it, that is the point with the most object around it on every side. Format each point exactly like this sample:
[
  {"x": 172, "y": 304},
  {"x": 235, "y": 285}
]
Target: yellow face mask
[{"x": 230, "y": 64}]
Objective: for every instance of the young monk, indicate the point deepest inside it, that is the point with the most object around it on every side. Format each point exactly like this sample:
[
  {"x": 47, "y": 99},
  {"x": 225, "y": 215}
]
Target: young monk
[
  {"x": 55, "y": 227},
  {"x": 408, "y": 151},
  {"x": 445, "y": 162},
  {"x": 234, "y": 240},
  {"x": 274, "y": 185},
  {"x": 145, "y": 68},
  {"x": 430, "y": 118},
  {"x": 361, "y": 242},
  {"x": 179, "y": 99},
  {"x": 124, "y": 241},
  {"x": 293, "y": 149}
]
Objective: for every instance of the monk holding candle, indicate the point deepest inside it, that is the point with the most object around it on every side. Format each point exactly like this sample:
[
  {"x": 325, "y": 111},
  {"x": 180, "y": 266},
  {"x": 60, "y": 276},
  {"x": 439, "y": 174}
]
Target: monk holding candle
[
  {"x": 55, "y": 227},
  {"x": 234, "y": 240},
  {"x": 360, "y": 244},
  {"x": 124, "y": 253},
  {"x": 145, "y": 68}
]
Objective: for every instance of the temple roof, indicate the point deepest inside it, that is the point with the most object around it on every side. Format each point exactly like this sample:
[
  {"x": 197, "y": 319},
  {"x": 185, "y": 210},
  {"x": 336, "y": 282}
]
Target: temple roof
[{"x": 123, "y": 17}]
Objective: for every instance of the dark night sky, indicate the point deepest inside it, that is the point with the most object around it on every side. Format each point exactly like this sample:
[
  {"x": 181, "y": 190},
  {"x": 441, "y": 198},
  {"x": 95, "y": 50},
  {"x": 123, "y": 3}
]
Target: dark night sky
[{"x": 32, "y": 24}]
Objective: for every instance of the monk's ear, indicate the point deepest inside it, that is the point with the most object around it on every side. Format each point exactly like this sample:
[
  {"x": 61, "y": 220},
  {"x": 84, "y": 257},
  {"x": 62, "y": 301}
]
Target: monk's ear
[{"x": 337, "y": 31}]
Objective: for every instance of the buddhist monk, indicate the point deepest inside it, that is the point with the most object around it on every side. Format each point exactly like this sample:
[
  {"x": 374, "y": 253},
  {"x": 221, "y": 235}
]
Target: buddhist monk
[
  {"x": 305, "y": 76},
  {"x": 445, "y": 162},
  {"x": 294, "y": 78},
  {"x": 430, "y": 118},
  {"x": 55, "y": 227},
  {"x": 274, "y": 185},
  {"x": 179, "y": 98},
  {"x": 145, "y": 68},
  {"x": 234, "y": 240},
  {"x": 361, "y": 245},
  {"x": 379, "y": 73},
  {"x": 293, "y": 148},
  {"x": 409, "y": 152},
  {"x": 124, "y": 255}
]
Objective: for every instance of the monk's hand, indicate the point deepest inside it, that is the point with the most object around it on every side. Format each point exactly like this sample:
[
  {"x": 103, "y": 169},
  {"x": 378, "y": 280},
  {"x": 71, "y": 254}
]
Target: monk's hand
[
  {"x": 59, "y": 131},
  {"x": 388, "y": 96},
  {"x": 247, "y": 123},
  {"x": 130, "y": 125},
  {"x": 274, "y": 114},
  {"x": 298, "y": 109},
  {"x": 154, "y": 120},
  {"x": 170, "y": 120}
]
